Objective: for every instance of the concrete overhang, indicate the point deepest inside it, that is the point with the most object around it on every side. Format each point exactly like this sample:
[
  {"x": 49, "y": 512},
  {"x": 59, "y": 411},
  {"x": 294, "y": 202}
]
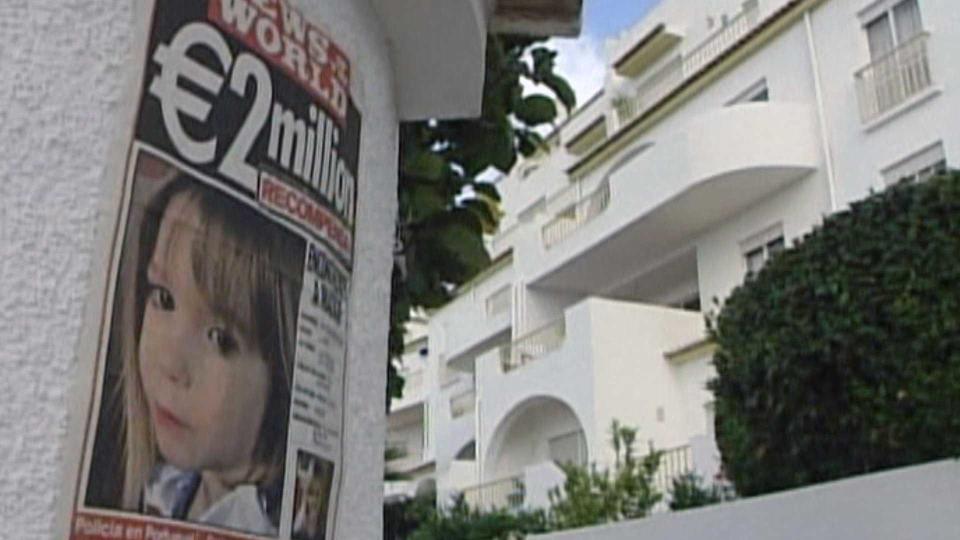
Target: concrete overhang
[
  {"x": 719, "y": 165},
  {"x": 647, "y": 50},
  {"x": 437, "y": 47},
  {"x": 538, "y": 17}
]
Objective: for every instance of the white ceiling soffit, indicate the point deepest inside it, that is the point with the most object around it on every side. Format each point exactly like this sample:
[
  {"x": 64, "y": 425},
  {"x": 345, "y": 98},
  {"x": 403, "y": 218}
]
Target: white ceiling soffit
[
  {"x": 538, "y": 17},
  {"x": 437, "y": 50}
]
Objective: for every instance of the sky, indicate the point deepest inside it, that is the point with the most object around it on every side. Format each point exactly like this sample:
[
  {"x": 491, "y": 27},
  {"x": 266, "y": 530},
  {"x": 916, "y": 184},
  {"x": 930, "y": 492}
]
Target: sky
[{"x": 581, "y": 60}]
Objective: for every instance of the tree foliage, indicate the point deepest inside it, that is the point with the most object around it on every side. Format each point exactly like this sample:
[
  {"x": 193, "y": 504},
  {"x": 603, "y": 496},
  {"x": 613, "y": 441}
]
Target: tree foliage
[
  {"x": 591, "y": 496},
  {"x": 461, "y": 522},
  {"x": 444, "y": 208},
  {"x": 842, "y": 356}
]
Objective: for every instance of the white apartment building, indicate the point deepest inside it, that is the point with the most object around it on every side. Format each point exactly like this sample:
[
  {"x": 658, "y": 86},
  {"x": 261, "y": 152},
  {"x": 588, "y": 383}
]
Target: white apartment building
[{"x": 725, "y": 131}]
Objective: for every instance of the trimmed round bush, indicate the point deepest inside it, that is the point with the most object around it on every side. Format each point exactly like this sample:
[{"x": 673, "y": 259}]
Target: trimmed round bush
[{"x": 842, "y": 356}]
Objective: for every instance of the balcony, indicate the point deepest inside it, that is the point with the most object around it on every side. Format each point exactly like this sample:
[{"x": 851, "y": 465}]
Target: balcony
[
  {"x": 532, "y": 346},
  {"x": 508, "y": 493},
  {"x": 414, "y": 391},
  {"x": 499, "y": 301},
  {"x": 462, "y": 403},
  {"x": 674, "y": 72},
  {"x": 894, "y": 78},
  {"x": 705, "y": 172},
  {"x": 578, "y": 215},
  {"x": 721, "y": 40},
  {"x": 674, "y": 463},
  {"x": 477, "y": 318}
]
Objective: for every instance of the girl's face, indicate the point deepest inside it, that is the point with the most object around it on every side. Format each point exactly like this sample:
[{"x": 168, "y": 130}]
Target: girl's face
[{"x": 205, "y": 381}]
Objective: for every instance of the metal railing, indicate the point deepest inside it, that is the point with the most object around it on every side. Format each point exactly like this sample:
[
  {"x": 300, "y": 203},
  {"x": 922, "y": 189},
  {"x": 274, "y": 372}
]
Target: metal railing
[
  {"x": 463, "y": 403},
  {"x": 499, "y": 302},
  {"x": 674, "y": 463},
  {"x": 506, "y": 493},
  {"x": 893, "y": 78},
  {"x": 573, "y": 218},
  {"x": 533, "y": 345},
  {"x": 721, "y": 40}
]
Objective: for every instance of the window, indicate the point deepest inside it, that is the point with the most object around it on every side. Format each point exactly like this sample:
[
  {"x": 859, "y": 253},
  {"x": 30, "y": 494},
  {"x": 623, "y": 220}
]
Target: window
[
  {"x": 919, "y": 166},
  {"x": 759, "y": 248},
  {"x": 891, "y": 24},
  {"x": 899, "y": 67},
  {"x": 756, "y": 93}
]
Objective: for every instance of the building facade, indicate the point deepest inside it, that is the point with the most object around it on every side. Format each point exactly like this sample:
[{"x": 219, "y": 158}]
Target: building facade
[{"x": 725, "y": 131}]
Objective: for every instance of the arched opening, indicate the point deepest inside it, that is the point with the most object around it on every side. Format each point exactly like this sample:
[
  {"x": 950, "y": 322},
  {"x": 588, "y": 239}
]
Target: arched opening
[
  {"x": 468, "y": 452},
  {"x": 538, "y": 430}
]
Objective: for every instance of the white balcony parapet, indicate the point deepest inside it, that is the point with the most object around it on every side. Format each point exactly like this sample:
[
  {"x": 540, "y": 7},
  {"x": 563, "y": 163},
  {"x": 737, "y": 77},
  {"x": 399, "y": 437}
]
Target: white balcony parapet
[
  {"x": 499, "y": 301},
  {"x": 504, "y": 239},
  {"x": 670, "y": 76},
  {"x": 462, "y": 403},
  {"x": 506, "y": 493},
  {"x": 674, "y": 462},
  {"x": 651, "y": 90},
  {"x": 575, "y": 217},
  {"x": 893, "y": 78},
  {"x": 413, "y": 384},
  {"x": 532, "y": 346}
]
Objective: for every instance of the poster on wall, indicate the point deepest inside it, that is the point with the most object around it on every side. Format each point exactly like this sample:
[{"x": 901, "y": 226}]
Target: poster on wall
[{"x": 215, "y": 408}]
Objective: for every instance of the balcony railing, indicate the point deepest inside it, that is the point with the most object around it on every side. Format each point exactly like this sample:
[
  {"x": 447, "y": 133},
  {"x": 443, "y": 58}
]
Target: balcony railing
[
  {"x": 462, "y": 403},
  {"x": 669, "y": 77},
  {"x": 572, "y": 219},
  {"x": 507, "y": 493},
  {"x": 499, "y": 302},
  {"x": 721, "y": 40},
  {"x": 674, "y": 463},
  {"x": 528, "y": 348},
  {"x": 893, "y": 78}
]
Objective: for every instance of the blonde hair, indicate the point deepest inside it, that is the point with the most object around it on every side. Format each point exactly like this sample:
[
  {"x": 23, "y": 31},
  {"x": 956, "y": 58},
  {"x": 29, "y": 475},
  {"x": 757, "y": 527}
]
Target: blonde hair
[{"x": 249, "y": 270}]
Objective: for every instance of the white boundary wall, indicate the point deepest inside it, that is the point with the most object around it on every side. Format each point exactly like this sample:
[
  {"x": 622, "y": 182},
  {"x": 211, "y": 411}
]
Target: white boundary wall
[{"x": 913, "y": 503}]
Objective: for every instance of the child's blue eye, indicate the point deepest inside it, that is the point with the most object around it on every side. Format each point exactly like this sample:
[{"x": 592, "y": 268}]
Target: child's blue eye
[
  {"x": 225, "y": 343},
  {"x": 160, "y": 298}
]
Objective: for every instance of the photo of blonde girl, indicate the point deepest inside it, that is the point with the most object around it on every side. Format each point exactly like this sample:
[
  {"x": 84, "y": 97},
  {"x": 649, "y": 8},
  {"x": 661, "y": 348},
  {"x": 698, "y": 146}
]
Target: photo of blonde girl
[
  {"x": 200, "y": 357},
  {"x": 311, "y": 497}
]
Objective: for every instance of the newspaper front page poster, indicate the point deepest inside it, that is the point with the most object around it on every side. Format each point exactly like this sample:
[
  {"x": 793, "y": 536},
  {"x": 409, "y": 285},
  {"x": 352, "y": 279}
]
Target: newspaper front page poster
[{"x": 215, "y": 409}]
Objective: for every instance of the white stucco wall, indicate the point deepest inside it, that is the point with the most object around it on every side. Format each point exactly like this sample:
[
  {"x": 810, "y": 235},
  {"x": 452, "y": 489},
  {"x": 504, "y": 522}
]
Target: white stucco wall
[{"x": 62, "y": 68}]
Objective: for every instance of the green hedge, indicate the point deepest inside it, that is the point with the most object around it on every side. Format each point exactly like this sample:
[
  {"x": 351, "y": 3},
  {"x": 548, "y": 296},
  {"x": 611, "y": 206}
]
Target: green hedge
[{"x": 842, "y": 356}]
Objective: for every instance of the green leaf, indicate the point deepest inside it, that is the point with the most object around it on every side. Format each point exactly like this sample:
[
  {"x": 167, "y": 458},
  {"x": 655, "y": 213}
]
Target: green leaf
[
  {"x": 465, "y": 245},
  {"x": 426, "y": 165},
  {"x": 563, "y": 90},
  {"x": 536, "y": 110},
  {"x": 425, "y": 202}
]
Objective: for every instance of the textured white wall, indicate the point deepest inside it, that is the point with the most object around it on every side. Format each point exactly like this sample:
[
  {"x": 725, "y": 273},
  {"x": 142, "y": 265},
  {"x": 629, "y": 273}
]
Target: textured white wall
[
  {"x": 60, "y": 87},
  {"x": 62, "y": 69}
]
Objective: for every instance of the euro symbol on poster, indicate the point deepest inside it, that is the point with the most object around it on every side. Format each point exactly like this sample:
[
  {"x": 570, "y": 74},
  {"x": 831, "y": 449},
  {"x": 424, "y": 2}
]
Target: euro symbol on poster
[{"x": 174, "y": 99}]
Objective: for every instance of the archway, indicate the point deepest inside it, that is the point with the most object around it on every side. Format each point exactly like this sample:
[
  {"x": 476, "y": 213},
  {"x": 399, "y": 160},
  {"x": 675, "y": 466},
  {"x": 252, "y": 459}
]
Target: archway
[{"x": 537, "y": 430}]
